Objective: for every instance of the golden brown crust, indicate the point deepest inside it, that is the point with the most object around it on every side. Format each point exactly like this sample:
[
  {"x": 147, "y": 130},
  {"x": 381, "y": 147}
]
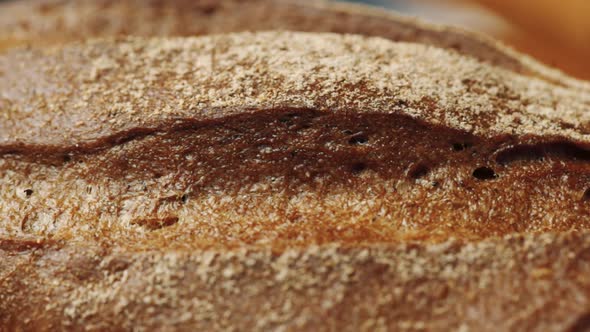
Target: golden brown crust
[
  {"x": 145, "y": 181},
  {"x": 516, "y": 283},
  {"x": 156, "y": 133},
  {"x": 101, "y": 89},
  {"x": 49, "y": 22}
]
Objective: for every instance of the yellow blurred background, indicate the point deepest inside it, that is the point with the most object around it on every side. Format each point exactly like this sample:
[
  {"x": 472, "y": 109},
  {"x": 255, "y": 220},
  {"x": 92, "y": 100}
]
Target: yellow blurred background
[{"x": 556, "y": 32}]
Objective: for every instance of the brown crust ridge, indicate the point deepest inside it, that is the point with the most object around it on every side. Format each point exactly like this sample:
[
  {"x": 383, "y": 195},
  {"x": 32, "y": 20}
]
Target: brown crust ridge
[
  {"x": 316, "y": 180},
  {"x": 50, "y": 22}
]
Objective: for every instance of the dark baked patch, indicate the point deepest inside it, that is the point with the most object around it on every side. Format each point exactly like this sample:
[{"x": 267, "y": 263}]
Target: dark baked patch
[
  {"x": 155, "y": 223},
  {"x": 153, "y": 178}
]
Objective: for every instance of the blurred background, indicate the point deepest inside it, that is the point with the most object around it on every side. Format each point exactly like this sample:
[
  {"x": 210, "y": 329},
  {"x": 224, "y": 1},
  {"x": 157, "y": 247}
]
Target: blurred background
[{"x": 556, "y": 32}]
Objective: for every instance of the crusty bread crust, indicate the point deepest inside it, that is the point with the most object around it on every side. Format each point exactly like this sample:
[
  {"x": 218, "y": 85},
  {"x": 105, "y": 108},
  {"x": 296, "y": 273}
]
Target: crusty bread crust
[
  {"x": 288, "y": 180},
  {"x": 50, "y": 22},
  {"x": 514, "y": 283}
]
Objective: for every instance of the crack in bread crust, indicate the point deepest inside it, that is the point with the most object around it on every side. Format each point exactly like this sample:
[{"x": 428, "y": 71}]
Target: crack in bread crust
[{"x": 294, "y": 176}]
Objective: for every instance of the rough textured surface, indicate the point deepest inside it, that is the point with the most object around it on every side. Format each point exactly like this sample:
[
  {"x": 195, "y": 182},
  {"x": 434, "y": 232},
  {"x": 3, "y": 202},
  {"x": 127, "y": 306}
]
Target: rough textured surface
[
  {"x": 516, "y": 283},
  {"x": 49, "y": 22},
  {"x": 313, "y": 179}
]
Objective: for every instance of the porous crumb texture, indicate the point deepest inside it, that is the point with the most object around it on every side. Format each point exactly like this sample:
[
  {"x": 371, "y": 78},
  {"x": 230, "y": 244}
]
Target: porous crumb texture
[
  {"x": 285, "y": 180},
  {"x": 50, "y": 22}
]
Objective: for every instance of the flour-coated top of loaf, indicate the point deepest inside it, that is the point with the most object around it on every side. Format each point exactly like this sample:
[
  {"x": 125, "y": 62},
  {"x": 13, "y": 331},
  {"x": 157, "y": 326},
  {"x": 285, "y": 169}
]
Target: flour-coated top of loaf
[{"x": 83, "y": 92}]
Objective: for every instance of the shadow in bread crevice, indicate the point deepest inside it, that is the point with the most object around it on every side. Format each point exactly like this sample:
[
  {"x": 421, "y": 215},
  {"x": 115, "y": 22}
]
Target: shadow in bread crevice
[{"x": 557, "y": 149}]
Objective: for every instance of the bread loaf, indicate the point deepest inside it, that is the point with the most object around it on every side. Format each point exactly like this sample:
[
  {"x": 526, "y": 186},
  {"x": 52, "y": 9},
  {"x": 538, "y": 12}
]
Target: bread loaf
[
  {"x": 287, "y": 181},
  {"x": 50, "y": 22}
]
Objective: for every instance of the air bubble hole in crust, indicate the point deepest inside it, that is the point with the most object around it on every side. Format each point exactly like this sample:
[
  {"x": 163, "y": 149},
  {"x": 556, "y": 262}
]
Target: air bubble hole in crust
[
  {"x": 461, "y": 146},
  {"x": 184, "y": 198},
  {"x": 359, "y": 167},
  {"x": 484, "y": 173},
  {"x": 358, "y": 139},
  {"x": 418, "y": 170}
]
